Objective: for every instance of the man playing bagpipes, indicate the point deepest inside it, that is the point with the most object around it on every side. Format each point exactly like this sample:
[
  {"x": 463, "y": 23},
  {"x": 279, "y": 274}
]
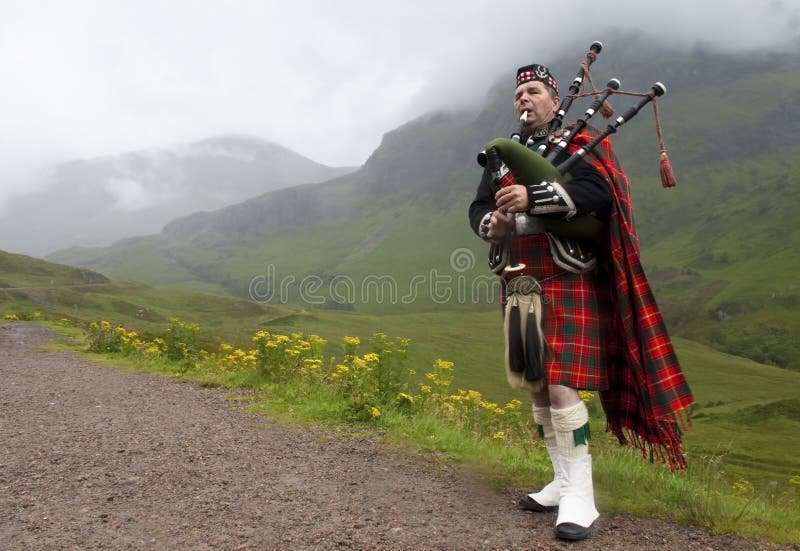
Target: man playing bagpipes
[{"x": 578, "y": 311}]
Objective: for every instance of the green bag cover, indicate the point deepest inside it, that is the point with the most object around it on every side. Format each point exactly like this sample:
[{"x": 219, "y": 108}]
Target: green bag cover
[{"x": 528, "y": 168}]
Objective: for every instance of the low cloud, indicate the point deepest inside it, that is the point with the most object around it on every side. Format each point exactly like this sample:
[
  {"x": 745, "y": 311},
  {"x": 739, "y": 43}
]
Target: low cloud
[{"x": 94, "y": 78}]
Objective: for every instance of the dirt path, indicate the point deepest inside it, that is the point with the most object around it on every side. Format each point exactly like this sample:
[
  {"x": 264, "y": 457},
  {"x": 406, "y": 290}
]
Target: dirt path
[{"x": 93, "y": 457}]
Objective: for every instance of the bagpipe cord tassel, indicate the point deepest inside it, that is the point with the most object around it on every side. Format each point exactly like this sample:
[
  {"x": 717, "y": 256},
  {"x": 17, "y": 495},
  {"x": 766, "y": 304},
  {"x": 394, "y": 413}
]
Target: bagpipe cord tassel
[{"x": 667, "y": 174}]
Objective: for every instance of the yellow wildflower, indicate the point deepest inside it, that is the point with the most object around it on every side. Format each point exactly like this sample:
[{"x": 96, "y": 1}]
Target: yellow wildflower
[
  {"x": 261, "y": 335},
  {"x": 317, "y": 341},
  {"x": 743, "y": 486},
  {"x": 406, "y": 397},
  {"x": 513, "y": 405},
  {"x": 492, "y": 407},
  {"x": 500, "y": 435},
  {"x": 443, "y": 365},
  {"x": 473, "y": 395},
  {"x": 375, "y": 412},
  {"x": 425, "y": 388},
  {"x": 372, "y": 358},
  {"x": 352, "y": 341}
]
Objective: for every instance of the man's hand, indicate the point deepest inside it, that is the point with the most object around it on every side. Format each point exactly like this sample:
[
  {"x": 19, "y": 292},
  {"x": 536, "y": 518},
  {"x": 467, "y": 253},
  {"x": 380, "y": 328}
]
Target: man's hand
[
  {"x": 512, "y": 199},
  {"x": 500, "y": 225}
]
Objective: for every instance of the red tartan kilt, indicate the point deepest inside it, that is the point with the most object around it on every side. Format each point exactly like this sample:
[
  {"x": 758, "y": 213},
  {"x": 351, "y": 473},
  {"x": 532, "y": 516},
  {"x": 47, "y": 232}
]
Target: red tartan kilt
[{"x": 575, "y": 354}]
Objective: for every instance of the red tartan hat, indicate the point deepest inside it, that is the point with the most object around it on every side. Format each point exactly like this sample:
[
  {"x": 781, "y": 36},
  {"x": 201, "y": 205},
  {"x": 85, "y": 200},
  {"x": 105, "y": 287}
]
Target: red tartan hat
[{"x": 536, "y": 72}]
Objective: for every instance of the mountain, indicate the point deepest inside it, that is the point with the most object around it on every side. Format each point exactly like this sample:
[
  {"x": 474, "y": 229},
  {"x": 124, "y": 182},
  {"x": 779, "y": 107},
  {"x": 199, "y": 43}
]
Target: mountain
[
  {"x": 18, "y": 270},
  {"x": 721, "y": 248},
  {"x": 98, "y": 201}
]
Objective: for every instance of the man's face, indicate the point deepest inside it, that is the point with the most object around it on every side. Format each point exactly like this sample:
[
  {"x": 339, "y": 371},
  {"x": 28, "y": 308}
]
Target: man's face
[{"x": 534, "y": 97}]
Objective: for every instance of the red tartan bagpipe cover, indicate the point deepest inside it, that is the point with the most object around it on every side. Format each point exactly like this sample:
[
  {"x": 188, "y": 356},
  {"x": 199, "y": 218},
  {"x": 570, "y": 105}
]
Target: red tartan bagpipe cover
[{"x": 648, "y": 400}]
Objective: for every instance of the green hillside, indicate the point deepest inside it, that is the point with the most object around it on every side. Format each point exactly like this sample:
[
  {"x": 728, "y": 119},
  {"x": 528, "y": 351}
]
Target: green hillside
[
  {"x": 18, "y": 270},
  {"x": 393, "y": 238}
]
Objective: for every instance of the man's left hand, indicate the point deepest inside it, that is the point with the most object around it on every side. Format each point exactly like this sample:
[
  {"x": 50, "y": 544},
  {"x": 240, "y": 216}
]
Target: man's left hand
[{"x": 512, "y": 199}]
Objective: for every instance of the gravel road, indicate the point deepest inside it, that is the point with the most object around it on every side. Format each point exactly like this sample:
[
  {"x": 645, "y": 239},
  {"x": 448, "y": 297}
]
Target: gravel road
[{"x": 93, "y": 457}]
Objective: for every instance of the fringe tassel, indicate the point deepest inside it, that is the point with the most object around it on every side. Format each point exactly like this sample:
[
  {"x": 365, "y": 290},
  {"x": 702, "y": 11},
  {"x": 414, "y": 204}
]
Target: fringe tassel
[
  {"x": 664, "y": 453},
  {"x": 606, "y": 110},
  {"x": 684, "y": 418},
  {"x": 515, "y": 351},
  {"x": 533, "y": 343}
]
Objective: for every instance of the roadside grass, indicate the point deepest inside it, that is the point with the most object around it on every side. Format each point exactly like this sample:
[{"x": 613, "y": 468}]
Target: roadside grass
[{"x": 503, "y": 447}]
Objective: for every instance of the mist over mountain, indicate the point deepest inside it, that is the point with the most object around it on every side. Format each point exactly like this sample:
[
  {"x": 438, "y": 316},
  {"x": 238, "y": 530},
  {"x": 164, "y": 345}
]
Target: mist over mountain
[
  {"x": 730, "y": 122},
  {"x": 98, "y": 201}
]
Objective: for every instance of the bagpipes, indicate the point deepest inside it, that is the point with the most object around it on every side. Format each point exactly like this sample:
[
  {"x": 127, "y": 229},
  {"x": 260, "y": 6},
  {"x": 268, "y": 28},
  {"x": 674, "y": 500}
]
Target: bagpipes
[{"x": 528, "y": 167}]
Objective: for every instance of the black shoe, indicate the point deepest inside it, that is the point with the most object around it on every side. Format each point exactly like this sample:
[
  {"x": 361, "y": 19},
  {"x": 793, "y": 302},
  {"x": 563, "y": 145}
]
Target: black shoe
[
  {"x": 527, "y": 503},
  {"x": 573, "y": 532}
]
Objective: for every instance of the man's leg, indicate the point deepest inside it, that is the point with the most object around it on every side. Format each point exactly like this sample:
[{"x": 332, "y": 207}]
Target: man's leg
[
  {"x": 547, "y": 498},
  {"x": 570, "y": 418}
]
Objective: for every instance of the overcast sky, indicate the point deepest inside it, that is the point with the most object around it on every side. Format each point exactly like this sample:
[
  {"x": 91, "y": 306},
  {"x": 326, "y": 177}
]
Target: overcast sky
[{"x": 82, "y": 78}]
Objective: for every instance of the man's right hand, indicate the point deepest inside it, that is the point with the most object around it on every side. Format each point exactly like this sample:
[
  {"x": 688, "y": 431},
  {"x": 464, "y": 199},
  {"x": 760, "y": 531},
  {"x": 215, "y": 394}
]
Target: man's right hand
[{"x": 500, "y": 225}]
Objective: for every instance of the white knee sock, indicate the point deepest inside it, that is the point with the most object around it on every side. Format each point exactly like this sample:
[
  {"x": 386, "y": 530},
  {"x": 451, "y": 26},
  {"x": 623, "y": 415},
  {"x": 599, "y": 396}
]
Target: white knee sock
[
  {"x": 571, "y": 427},
  {"x": 541, "y": 416}
]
